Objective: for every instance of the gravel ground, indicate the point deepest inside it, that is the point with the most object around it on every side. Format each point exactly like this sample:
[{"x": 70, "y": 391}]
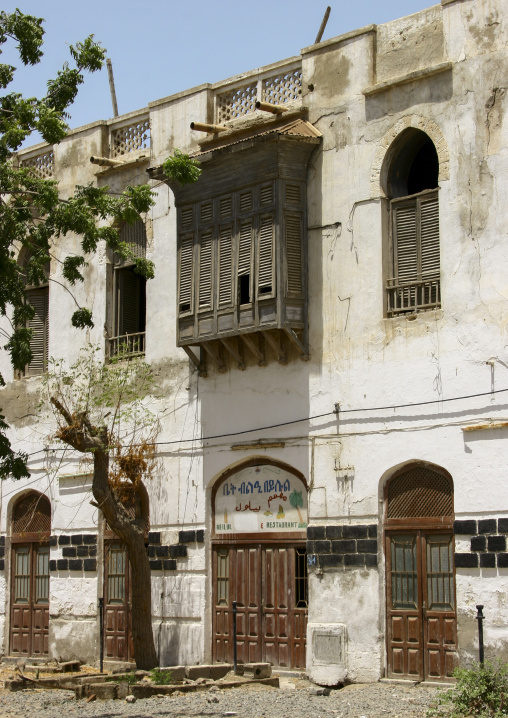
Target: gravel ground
[{"x": 294, "y": 699}]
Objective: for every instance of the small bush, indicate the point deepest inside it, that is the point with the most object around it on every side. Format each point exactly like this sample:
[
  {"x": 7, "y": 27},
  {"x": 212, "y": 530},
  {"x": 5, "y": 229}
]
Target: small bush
[
  {"x": 161, "y": 678},
  {"x": 480, "y": 691}
]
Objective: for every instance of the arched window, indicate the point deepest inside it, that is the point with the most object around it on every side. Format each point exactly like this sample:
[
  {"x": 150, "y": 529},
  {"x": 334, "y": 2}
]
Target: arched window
[
  {"x": 411, "y": 182},
  {"x": 129, "y": 297},
  {"x": 37, "y": 295},
  {"x": 32, "y": 515}
]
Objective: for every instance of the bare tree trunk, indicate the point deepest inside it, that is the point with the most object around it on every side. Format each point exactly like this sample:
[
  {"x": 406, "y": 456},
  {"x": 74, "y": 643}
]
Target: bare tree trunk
[
  {"x": 133, "y": 535},
  {"x": 84, "y": 437}
]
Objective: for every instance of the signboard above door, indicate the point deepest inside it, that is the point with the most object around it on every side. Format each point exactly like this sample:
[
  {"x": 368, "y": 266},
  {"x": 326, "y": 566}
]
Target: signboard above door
[{"x": 264, "y": 499}]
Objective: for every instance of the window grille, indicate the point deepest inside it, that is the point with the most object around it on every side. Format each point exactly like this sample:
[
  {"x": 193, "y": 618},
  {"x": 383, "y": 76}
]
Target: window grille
[
  {"x": 135, "y": 236},
  {"x": 42, "y": 166},
  {"x": 130, "y": 138},
  {"x": 420, "y": 493},
  {"x": 415, "y": 284},
  {"x": 283, "y": 87},
  {"x": 32, "y": 514},
  {"x": 236, "y": 103}
]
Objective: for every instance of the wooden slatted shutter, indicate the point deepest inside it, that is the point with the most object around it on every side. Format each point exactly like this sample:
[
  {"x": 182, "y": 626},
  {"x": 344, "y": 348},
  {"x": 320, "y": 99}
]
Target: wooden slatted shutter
[
  {"x": 405, "y": 242},
  {"x": 294, "y": 253},
  {"x": 205, "y": 269},
  {"x": 135, "y": 236},
  {"x": 266, "y": 195},
  {"x": 225, "y": 265},
  {"x": 185, "y": 273},
  {"x": 429, "y": 223},
  {"x": 39, "y": 299},
  {"x": 128, "y": 298},
  {"x": 265, "y": 255},
  {"x": 245, "y": 247}
]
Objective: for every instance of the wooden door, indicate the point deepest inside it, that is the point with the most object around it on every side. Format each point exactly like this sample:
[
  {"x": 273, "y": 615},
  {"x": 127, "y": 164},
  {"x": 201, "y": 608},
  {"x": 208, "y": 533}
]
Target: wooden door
[
  {"x": 421, "y": 618},
  {"x": 29, "y": 600},
  {"x": 269, "y": 584},
  {"x": 117, "y": 603}
]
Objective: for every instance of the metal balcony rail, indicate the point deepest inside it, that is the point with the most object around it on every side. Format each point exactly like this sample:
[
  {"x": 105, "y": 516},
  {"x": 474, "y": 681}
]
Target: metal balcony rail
[
  {"x": 127, "y": 346},
  {"x": 412, "y": 296}
]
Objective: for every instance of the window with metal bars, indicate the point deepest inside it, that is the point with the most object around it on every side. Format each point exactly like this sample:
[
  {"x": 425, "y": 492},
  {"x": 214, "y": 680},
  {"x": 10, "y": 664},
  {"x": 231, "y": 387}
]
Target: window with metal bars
[{"x": 414, "y": 282}]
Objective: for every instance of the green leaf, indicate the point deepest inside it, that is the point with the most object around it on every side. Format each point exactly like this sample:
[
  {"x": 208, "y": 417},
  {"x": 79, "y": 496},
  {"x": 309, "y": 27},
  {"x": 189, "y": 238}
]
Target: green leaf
[
  {"x": 82, "y": 318},
  {"x": 181, "y": 168}
]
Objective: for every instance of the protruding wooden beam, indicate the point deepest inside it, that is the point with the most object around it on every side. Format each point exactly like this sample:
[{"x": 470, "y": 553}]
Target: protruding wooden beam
[
  {"x": 215, "y": 357},
  {"x": 211, "y": 129},
  {"x": 268, "y": 107},
  {"x": 234, "y": 353},
  {"x": 257, "y": 353},
  {"x": 277, "y": 348},
  {"x": 105, "y": 161},
  {"x": 323, "y": 25},
  {"x": 298, "y": 344},
  {"x": 192, "y": 356}
]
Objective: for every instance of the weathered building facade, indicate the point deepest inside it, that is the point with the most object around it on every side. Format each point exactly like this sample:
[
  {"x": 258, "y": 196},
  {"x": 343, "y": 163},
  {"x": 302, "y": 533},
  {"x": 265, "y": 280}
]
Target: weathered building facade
[{"x": 327, "y": 326}]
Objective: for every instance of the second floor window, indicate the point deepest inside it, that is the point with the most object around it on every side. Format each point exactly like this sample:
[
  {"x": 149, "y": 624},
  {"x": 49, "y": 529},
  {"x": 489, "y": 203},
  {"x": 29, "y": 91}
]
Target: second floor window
[{"x": 38, "y": 297}]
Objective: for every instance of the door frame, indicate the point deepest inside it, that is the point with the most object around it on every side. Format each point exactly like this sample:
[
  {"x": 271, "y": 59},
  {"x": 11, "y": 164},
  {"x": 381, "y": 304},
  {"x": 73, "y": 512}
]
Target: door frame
[
  {"x": 422, "y": 527},
  {"x": 128, "y": 592},
  {"x": 261, "y": 544}
]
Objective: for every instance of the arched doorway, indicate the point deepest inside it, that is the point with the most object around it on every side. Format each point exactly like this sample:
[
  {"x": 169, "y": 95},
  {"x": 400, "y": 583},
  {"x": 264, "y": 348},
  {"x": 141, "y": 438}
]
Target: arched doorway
[
  {"x": 420, "y": 579},
  {"x": 29, "y": 616},
  {"x": 259, "y": 560}
]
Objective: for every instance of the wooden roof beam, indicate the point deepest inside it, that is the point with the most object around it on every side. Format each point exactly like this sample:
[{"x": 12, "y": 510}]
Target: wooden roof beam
[
  {"x": 268, "y": 107},
  {"x": 210, "y": 129},
  {"x": 277, "y": 348},
  {"x": 298, "y": 344},
  {"x": 215, "y": 357},
  {"x": 254, "y": 349},
  {"x": 237, "y": 355}
]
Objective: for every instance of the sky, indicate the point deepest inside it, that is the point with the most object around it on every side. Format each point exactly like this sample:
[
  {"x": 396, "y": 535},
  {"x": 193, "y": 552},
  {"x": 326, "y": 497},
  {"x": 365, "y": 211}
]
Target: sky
[{"x": 160, "y": 47}]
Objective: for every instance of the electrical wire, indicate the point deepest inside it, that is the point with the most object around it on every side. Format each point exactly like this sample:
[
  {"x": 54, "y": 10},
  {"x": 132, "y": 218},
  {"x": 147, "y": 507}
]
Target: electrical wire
[{"x": 339, "y": 412}]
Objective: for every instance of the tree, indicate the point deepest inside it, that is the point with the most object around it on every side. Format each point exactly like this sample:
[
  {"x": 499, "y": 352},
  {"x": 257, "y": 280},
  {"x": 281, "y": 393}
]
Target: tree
[
  {"x": 296, "y": 501},
  {"x": 33, "y": 217},
  {"x": 32, "y": 214},
  {"x": 100, "y": 412}
]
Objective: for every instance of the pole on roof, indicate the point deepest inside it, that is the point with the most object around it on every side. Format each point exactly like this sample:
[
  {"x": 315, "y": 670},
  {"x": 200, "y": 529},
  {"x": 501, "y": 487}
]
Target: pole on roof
[
  {"x": 112, "y": 87},
  {"x": 323, "y": 25}
]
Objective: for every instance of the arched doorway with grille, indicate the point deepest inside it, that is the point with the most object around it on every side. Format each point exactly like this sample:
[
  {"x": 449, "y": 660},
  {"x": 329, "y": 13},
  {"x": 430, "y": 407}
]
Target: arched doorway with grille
[
  {"x": 29, "y": 614},
  {"x": 421, "y": 621}
]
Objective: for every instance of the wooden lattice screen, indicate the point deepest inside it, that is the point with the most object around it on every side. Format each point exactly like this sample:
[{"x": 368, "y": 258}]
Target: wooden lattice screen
[
  {"x": 32, "y": 514},
  {"x": 420, "y": 493}
]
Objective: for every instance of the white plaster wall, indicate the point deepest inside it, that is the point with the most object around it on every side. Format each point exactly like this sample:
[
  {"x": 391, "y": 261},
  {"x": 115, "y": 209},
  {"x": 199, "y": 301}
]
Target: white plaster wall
[{"x": 358, "y": 358}]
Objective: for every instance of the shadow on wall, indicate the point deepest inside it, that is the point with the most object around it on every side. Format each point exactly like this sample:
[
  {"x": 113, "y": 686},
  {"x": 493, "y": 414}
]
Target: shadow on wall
[{"x": 398, "y": 99}]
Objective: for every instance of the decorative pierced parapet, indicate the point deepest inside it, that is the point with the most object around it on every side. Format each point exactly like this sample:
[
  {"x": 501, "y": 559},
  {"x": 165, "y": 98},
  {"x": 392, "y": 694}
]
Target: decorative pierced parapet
[
  {"x": 130, "y": 138},
  {"x": 42, "y": 165},
  {"x": 283, "y": 87},
  {"x": 239, "y": 100},
  {"x": 236, "y": 103}
]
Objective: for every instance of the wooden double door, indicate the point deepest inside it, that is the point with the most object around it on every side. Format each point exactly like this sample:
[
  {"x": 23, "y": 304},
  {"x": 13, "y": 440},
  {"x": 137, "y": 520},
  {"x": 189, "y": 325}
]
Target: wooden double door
[
  {"x": 29, "y": 619},
  {"x": 269, "y": 584},
  {"x": 421, "y": 614},
  {"x": 118, "y": 645}
]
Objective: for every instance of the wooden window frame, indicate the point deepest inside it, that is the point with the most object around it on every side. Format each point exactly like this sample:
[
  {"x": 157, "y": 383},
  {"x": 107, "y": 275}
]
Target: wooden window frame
[{"x": 423, "y": 292}]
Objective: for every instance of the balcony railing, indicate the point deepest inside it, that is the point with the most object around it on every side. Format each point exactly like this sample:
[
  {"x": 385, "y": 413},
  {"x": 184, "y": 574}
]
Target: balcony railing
[
  {"x": 130, "y": 136},
  {"x": 403, "y": 297},
  {"x": 42, "y": 165},
  {"x": 127, "y": 346},
  {"x": 277, "y": 85}
]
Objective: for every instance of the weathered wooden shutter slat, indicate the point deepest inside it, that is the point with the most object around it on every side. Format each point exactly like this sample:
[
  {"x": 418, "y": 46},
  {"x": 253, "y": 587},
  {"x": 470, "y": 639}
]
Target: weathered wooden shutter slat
[
  {"x": 429, "y": 236},
  {"x": 266, "y": 195},
  {"x": 292, "y": 194},
  {"x": 225, "y": 206},
  {"x": 135, "y": 236},
  {"x": 186, "y": 217},
  {"x": 406, "y": 243},
  {"x": 206, "y": 212},
  {"x": 128, "y": 302},
  {"x": 225, "y": 265},
  {"x": 246, "y": 202},
  {"x": 245, "y": 247},
  {"x": 294, "y": 253},
  {"x": 185, "y": 277},
  {"x": 265, "y": 257},
  {"x": 39, "y": 299},
  {"x": 205, "y": 270}
]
